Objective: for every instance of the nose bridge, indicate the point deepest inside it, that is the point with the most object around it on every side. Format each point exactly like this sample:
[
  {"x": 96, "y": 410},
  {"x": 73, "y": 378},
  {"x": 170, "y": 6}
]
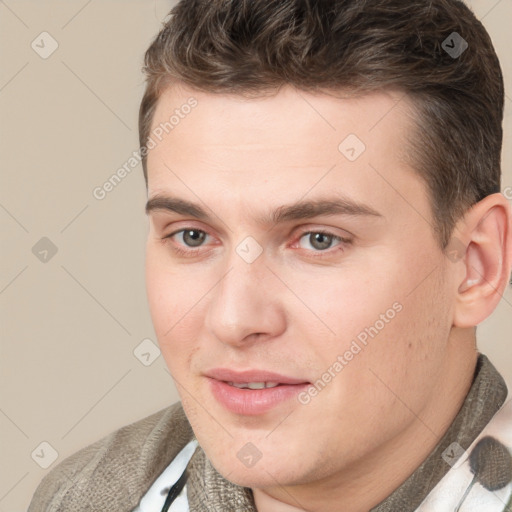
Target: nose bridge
[{"x": 242, "y": 304}]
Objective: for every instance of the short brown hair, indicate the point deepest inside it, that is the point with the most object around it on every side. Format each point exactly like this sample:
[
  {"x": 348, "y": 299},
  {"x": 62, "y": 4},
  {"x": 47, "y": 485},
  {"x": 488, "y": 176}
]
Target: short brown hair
[{"x": 252, "y": 47}]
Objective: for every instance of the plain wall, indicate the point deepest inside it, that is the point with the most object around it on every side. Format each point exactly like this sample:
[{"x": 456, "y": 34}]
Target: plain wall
[{"x": 70, "y": 325}]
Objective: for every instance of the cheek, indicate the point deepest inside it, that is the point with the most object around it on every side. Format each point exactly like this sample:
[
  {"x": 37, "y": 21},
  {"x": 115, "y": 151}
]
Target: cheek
[
  {"x": 388, "y": 324},
  {"x": 338, "y": 306},
  {"x": 400, "y": 361},
  {"x": 171, "y": 289},
  {"x": 160, "y": 284},
  {"x": 174, "y": 298}
]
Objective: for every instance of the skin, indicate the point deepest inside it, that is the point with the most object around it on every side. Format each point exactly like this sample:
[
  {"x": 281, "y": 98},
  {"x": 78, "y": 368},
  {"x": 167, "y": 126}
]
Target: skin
[{"x": 296, "y": 308}]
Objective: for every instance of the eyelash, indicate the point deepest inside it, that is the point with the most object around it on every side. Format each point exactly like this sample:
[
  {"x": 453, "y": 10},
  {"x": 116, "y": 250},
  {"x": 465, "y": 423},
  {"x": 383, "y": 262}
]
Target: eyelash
[{"x": 191, "y": 252}]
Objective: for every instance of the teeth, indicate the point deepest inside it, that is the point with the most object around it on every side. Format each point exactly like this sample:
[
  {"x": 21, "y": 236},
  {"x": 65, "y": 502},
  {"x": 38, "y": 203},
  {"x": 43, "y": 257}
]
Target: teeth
[
  {"x": 253, "y": 385},
  {"x": 256, "y": 385}
]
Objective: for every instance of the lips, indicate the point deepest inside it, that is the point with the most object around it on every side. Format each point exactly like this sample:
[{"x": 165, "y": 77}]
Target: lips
[
  {"x": 240, "y": 377},
  {"x": 252, "y": 392}
]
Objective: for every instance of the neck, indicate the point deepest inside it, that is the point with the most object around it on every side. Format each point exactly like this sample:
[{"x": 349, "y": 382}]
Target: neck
[{"x": 368, "y": 482}]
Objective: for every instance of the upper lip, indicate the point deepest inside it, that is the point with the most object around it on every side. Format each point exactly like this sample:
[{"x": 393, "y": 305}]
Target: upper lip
[{"x": 245, "y": 376}]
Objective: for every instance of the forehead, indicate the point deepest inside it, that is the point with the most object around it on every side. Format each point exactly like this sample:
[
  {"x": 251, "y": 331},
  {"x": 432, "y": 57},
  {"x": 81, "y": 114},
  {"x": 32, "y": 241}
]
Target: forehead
[
  {"x": 288, "y": 117},
  {"x": 279, "y": 148}
]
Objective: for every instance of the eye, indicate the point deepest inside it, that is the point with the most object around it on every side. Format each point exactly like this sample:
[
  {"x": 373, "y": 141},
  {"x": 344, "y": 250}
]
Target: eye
[
  {"x": 189, "y": 237},
  {"x": 318, "y": 240}
]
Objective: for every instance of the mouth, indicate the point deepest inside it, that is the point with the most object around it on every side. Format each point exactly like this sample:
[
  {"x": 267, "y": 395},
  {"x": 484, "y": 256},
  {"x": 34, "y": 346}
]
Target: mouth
[
  {"x": 254, "y": 385},
  {"x": 253, "y": 392}
]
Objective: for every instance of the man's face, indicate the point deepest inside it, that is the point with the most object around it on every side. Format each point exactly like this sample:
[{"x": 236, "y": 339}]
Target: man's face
[{"x": 344, "y": 304}]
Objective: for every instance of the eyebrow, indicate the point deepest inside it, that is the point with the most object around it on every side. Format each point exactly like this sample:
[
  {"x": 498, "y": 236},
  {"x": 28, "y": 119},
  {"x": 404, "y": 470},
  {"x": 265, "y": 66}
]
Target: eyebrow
[{"x": 296, "y": 211}]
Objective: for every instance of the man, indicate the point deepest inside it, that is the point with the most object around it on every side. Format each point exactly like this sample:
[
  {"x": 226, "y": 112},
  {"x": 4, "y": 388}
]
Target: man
[{"x": 326, "y": 231}]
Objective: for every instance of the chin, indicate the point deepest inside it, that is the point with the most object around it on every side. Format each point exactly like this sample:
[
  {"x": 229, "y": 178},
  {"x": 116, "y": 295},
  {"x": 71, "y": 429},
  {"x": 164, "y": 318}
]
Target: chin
[
  {"x": 259, "y": 476},
  {"x": 261, "y": 473}
]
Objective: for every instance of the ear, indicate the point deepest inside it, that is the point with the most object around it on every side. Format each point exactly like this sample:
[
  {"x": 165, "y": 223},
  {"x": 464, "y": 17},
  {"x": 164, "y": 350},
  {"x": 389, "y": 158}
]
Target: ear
[{"x": 484, "y": 241}]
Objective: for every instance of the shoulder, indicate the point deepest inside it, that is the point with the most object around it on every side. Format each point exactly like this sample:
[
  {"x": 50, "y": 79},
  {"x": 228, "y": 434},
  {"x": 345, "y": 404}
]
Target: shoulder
[{"x": 114, "y": 472}]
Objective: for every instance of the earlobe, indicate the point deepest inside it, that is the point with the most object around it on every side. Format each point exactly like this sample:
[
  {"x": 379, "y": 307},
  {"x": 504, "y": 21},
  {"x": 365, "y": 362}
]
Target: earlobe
[{"x": 487, "y": 261}]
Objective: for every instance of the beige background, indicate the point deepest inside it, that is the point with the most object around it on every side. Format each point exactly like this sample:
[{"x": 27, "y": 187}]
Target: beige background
[{"x": 70, "y": 325}]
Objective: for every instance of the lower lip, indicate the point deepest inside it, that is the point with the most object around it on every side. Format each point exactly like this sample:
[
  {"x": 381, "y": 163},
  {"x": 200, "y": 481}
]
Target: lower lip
[{"x": 250, "y": 402}]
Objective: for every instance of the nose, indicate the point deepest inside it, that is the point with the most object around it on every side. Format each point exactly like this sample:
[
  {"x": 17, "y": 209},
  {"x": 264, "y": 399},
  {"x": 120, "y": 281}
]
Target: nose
[{"x": 245, "y": 306}]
